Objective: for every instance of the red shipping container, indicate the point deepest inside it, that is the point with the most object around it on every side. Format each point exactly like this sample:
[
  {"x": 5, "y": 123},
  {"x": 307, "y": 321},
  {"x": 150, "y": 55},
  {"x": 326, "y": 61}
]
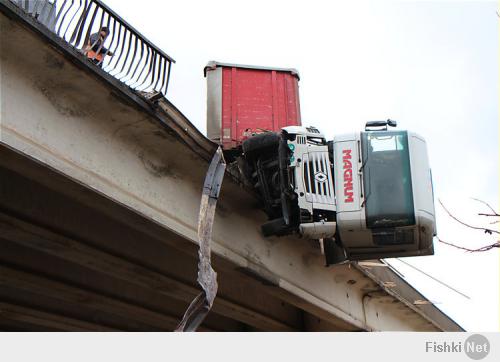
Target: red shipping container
[{"x": 244, "y": 99}]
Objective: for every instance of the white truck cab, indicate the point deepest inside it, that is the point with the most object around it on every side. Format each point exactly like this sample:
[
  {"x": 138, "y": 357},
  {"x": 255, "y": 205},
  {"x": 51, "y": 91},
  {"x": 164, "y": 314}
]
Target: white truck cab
[
  {"x": 369, "y": 194},
  {"x": 384, "y": 196}
]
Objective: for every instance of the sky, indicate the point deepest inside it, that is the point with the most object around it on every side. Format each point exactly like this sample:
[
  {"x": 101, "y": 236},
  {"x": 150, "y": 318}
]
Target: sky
[{"x": 431, "y": 66}]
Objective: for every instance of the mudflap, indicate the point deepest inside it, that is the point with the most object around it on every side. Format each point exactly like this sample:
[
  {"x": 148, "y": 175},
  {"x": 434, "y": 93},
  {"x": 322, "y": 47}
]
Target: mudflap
[{"x": 334, "y": 253}]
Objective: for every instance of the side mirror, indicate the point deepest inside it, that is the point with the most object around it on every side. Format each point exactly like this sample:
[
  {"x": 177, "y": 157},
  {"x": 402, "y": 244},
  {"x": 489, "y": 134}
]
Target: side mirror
[{"x": 392, "y": 123}]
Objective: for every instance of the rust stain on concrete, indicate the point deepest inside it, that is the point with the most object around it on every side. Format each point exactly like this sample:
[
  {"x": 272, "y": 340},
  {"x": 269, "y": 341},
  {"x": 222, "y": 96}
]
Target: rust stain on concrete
[
  {"x": 56, "y": 95},
  {"x": 155, "y": 169}
]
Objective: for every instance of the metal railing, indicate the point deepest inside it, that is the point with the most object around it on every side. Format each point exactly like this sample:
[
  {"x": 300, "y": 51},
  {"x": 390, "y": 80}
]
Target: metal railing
[{"x": 135, "y": 61}]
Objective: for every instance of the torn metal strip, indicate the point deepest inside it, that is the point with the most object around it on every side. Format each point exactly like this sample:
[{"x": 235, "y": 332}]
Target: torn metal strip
[{"x": 207, "y": 277}]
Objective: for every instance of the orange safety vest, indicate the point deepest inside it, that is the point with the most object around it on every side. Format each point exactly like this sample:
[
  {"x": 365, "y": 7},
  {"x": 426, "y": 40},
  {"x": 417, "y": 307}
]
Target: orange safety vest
[{"x": 93, "y": 55}]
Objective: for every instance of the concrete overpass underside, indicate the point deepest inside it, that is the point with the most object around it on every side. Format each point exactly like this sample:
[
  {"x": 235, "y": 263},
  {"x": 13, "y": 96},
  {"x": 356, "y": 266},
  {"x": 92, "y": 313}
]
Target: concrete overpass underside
[{"x": 99, "y": 198}]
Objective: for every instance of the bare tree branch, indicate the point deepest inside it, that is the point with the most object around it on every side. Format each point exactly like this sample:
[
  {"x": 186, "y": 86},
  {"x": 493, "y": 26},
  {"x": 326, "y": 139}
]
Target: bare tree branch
[
  {"x": 489, "y": 207},
  {"x": 486, "y": 230},
  {"x": 484, "y": 248}
]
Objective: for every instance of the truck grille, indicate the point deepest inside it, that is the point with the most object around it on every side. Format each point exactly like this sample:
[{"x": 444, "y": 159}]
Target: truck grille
[{"x": 318, "y": 181}]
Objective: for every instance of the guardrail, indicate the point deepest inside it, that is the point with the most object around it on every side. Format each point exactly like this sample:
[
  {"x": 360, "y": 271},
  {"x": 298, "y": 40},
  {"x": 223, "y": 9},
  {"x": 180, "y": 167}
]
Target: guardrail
[{"x": 135, "y": 61}]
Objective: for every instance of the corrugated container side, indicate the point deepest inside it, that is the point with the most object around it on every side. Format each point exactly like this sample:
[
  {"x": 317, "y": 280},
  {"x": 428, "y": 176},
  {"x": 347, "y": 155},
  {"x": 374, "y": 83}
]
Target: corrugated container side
[{"x": 245, "y": 100}]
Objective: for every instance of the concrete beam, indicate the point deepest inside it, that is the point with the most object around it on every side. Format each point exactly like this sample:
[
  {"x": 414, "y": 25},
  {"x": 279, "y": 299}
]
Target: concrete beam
[
  {"x": 42, "y": 231},
  {"x": 16, "y": 317},
  {"x": 104, "y": 264}
]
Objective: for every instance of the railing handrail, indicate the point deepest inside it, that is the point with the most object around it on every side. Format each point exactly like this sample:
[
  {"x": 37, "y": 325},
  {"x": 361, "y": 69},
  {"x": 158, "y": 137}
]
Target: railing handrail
[
  {"x": 140, "y": 64},
  {"x": 125, "y": 23}
]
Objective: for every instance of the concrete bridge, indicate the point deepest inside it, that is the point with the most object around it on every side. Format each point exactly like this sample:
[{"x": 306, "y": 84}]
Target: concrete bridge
[{"x": 99, "y": 196}]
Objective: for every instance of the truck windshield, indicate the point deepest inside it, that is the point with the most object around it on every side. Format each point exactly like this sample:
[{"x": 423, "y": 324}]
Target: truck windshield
[{"x": 387, "y": 179}]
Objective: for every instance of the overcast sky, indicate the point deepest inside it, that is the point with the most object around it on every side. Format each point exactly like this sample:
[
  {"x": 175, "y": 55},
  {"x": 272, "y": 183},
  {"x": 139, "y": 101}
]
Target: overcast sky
[{"x": 432, "y": 66}]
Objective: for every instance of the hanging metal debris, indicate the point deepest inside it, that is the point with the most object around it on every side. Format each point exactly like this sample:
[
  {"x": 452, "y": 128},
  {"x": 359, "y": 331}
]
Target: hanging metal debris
[{"x": 207, "y": 277}]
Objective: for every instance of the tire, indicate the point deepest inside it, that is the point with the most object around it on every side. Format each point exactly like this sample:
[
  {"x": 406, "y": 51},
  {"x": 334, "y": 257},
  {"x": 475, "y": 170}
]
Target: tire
[
  {"x": 274, "y": 227},
  {"x": 260, "y": 143}
]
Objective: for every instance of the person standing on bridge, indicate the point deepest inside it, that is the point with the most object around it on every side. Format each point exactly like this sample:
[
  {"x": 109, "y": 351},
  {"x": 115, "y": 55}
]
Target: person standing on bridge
[{"x": 95, "y": 50}]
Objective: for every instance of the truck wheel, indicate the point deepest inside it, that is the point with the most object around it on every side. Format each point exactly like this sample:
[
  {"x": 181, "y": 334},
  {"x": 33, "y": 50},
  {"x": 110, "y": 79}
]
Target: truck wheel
[
  {"x": 274, "y": 227},
  {"x": 260, "y": 143}
]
